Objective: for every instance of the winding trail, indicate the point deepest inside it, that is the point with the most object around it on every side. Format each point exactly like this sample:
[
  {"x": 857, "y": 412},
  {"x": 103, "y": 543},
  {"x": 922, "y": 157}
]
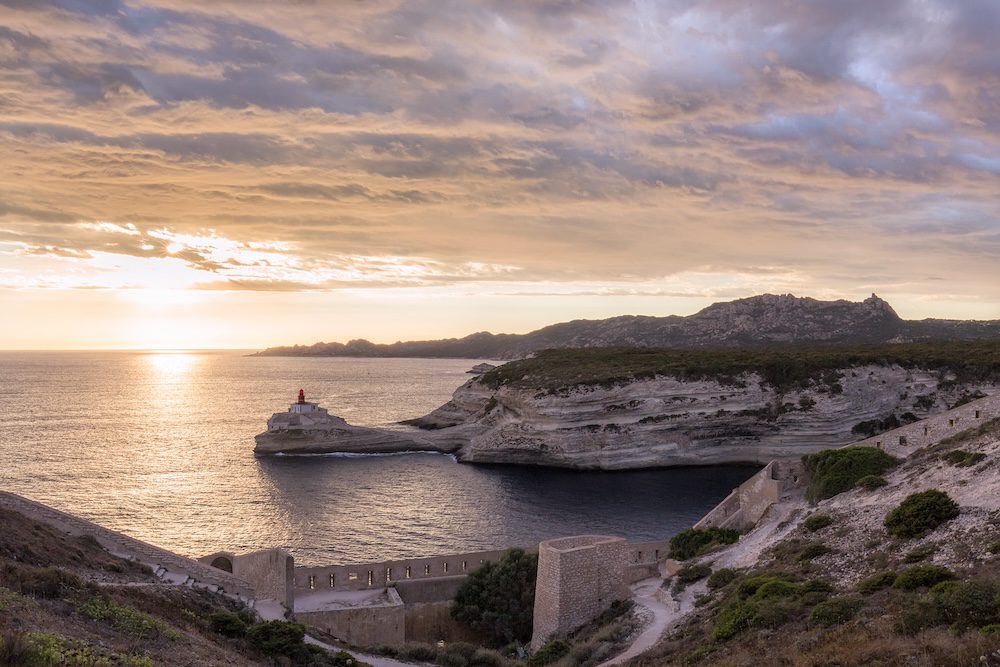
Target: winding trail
[{"x": 649, "y": 595}]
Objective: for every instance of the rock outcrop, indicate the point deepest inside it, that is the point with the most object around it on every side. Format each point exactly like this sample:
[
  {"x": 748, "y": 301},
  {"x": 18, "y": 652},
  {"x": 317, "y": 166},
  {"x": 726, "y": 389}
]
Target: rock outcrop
[
  {"x": 758, "y": 320},
  {"x": 659, "y": 421}
]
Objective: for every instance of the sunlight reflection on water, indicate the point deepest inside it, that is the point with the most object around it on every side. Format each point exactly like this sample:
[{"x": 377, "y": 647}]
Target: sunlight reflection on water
[{"x": 160, "y": 445}]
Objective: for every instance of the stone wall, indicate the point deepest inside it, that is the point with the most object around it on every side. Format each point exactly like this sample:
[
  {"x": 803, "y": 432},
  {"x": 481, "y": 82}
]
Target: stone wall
[
  {"x": 369, "y": 625},
  {"x": 387, "y": 573},
  {"x": 904, "y": 440},
  {"x": 578, "y": 578},
  {"x": 746, "y": 504},
  {"x": 165, "y": 564},
  {"x": 270, "y": 572}
]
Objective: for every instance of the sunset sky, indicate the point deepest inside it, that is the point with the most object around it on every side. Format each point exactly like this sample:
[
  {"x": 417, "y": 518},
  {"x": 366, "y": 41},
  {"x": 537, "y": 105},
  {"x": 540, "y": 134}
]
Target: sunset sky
[{"x": 186, "y": 173}]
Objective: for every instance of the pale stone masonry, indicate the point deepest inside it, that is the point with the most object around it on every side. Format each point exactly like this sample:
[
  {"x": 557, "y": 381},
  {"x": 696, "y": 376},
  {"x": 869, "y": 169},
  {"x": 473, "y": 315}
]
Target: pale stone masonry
[{"x": 578, "y": 578}]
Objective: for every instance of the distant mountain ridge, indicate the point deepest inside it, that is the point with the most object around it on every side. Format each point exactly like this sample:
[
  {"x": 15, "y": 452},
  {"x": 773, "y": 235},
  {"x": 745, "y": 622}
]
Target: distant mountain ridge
[{"x": 758, "y": 320}]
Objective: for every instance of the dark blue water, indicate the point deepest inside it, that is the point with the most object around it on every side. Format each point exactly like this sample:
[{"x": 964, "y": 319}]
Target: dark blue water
[{"x": 161, "y": 447}]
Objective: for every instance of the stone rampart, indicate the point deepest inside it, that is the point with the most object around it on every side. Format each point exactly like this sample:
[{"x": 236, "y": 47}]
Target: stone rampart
[
  {"x": 269, "y": 571},
  {"x": 166, "y": 564},
  {"x": 746, "y": 504},
  {"x": 379, "y": 622},
  {"x": 387, "y": 573},
  {"x": 904, "y": 440},
  {"x": 578, "y": 578}
]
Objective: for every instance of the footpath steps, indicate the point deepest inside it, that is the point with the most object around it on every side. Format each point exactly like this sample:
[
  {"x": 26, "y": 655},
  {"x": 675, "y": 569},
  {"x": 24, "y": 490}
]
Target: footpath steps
[{"x": 167, "y": 566}]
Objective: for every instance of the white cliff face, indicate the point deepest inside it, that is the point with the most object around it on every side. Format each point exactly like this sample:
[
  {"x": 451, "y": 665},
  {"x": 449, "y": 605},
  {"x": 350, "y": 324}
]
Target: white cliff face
[
  {"x": 645, "y": 423},
  {"x": 665, "y": 421}
]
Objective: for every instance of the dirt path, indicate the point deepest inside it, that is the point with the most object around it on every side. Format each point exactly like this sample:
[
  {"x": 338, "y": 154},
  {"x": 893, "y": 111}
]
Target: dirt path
[{"x": 648, "y": 595}]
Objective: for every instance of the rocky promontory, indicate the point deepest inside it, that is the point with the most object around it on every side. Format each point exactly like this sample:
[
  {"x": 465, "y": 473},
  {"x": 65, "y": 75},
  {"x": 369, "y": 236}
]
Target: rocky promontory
[{"x": 627, "y": 408}]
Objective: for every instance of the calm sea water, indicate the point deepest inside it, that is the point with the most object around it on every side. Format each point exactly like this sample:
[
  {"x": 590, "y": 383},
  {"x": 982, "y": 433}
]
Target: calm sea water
[{"x": 160, "y": 446}]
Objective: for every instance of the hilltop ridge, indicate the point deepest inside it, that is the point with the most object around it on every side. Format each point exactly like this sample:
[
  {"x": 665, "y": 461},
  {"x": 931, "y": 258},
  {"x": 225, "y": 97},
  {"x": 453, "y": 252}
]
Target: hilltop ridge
[{"x": 761, "y": 320}]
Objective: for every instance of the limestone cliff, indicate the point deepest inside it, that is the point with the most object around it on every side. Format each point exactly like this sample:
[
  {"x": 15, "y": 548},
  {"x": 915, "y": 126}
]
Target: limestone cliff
[
  {"x": 620, "y": 409},
  {"x": 665, "y": 421}
]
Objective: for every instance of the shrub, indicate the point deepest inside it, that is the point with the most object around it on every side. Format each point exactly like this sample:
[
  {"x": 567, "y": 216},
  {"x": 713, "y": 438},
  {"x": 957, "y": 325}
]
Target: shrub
[
  {"x": 228, "y": 624},
  {"x": 734, "y": 619},
  {"x": 877, "y": 582},
  {"x": 498, "y": 599},
  {"x": 871, "y": 482},
  {"x": 920, "y": 576},
  {"x": 962, "y": 458},
  {"x": 549, "y": 653},
  {"x": 834, "y": 471},
  {"x": 920, "y": 513},
  {"x": 990, "y": 630},
  {"x": 276, "y": 637},
  {"x": 696, "y": 541},
  {"x": 484, "y": 658},
  {"x": 418, "y": 653},
  {"x": 721, "y": 578},
  {"x": 965, "y": 604},
  {"x": 920, "y": 553},
  {"x": 835, "y": 611},
  {"x": 817, "y": 522},
  {"x": 691, "y": 573},
  {"x": 132, "y": 622},
  {"x": 39, "y": 582},
  {"x": 813, "y": 550},
  {"x": 994, "y": 548}
]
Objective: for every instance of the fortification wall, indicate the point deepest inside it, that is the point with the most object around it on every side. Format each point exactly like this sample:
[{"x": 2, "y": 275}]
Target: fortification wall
[
  {"x": 431, "y": 622},
  {"x": 578, "y": 578},
  {"x": 386, "y": 573},
  {"x": 381, "y": 624},
  {"x": 905, "y": 439},
  {"x": 270, "y": 572},
  {"x": 166, "y": 564},
  {"x": 746, "y": 504}
]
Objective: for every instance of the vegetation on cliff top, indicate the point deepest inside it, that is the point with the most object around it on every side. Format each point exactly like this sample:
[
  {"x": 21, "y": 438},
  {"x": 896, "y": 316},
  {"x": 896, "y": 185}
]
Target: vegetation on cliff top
[
  {"x": 834, "y": 471},
  {"x": 785, "y": 368}
]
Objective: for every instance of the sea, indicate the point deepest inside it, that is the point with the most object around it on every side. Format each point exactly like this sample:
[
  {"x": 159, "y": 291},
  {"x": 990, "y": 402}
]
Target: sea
[{"x": 159, "y": 445}]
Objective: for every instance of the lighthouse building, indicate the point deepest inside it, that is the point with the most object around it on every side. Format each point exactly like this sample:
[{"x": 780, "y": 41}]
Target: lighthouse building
[{"x": 301, "y": 414}]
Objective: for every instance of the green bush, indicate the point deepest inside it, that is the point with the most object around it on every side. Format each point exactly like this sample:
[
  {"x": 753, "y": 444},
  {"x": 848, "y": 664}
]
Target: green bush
[
  {"x": 696, "y": 541},
  {"x": 721, "y": 578},
  {"x": 921, "y": 513},
  {"x": 920, "y": 553},
  {"x": 691, "y": 573},
  {"x": 817, "y": 522},
  {"x": 834, "y": 471},
  {"x": 734, "y": 619},
  {"x": 967, "y": 604},
  {"x": 39, "y": 582},
  {"x": 994, "y": 548},
  {"x": 228, "y": 624},
  {"x": 813, "y": 550},
  {"x": 835, "y": 611},
  {"x": 962, "y": 458},
  {"x": 276, "y": 637},
  {"x": 990, "y": 630},
  {"x": 921, "y": 576},
  {"x": 549, "y": 653},
  {"x": 418, "y": 653},
  {"x": 498, "y": 599},
  {"x": 877, "y": 582},
  {"x": 871, "y": 482},
  {"x": 132, "y": 622},
  {"x": 485, "y": 658}
]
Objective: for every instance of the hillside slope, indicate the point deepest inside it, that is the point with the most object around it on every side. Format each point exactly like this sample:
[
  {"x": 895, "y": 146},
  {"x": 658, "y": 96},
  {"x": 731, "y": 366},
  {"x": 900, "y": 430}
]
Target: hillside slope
[
  {"x": 833, "y": 584},
  {"x": 759, "y": 320}
]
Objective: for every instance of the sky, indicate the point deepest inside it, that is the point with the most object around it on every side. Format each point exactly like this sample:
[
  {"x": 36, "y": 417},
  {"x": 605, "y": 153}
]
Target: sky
[{"x": 235, "y": 173}]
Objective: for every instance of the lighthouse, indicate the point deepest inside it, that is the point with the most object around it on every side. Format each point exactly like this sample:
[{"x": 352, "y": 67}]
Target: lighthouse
[{"x": 302, "y": 406}]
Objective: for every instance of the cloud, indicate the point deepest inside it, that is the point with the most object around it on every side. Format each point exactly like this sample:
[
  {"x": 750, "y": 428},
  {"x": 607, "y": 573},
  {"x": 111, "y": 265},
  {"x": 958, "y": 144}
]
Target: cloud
[{"x": 580, "y": 142}]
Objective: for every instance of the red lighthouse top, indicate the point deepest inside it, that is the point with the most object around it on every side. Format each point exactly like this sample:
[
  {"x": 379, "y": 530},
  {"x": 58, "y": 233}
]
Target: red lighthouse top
[{"x": 302, "y": 396}]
